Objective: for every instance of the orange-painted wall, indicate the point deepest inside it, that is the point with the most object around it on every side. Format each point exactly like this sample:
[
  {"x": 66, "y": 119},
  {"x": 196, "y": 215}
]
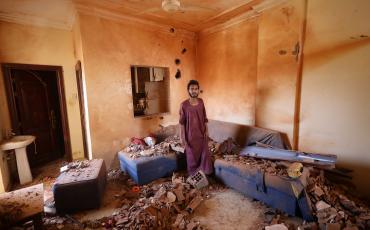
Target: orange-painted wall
[
  {"x": 335, "y": 114},
  {"x": 335, "y": 107},
  {"x": 109, "y": 48},
  {"x": 279, "y": 32},
  {"x": 227, "y": 71}
]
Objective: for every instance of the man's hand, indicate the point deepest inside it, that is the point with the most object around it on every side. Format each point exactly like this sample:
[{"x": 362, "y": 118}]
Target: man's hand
[{"x": 182, "y": 136}]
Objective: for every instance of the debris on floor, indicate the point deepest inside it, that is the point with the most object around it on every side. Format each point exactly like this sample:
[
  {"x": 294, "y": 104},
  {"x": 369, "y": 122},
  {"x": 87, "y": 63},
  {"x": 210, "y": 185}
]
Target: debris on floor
[
  {"x": 334, "y": 205},
  {"x": 169, "y": 203},
  {"x": 166, "y": 203},
  {"x": 198, "y": 180},
  {"x": 159, "y": 205}
]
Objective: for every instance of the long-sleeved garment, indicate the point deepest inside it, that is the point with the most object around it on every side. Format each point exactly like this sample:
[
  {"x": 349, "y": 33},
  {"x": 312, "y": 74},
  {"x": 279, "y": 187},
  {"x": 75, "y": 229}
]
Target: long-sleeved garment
[{"x": 194, "y": 118}]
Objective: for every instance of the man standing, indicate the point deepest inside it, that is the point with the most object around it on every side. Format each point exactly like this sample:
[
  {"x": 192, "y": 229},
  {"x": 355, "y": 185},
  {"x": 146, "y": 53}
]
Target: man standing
[{"x": 194, "y": 131}]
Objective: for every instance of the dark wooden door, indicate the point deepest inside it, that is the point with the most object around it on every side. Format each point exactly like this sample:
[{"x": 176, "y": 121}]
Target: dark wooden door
[{"x": 37, "y": 104}]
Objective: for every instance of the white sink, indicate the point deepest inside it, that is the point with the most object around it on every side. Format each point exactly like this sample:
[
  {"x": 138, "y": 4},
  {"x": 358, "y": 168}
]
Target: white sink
[{"x": 19, "y": 144}]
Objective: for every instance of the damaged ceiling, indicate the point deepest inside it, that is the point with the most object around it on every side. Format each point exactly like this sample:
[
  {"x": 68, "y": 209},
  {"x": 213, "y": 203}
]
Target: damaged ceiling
[{"x": 193, "y": 15}]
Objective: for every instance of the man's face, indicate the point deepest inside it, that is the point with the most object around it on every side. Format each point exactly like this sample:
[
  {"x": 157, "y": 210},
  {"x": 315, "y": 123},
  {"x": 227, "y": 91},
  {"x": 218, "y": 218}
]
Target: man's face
[{"x": 193, "y": 91}]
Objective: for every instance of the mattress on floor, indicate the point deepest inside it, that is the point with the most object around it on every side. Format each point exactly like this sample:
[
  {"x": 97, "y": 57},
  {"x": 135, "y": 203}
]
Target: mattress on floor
[
  {"x": 285, "y": 194},
  {"x": 143, "y": 170},
  {"x": 80, "y": 189}
]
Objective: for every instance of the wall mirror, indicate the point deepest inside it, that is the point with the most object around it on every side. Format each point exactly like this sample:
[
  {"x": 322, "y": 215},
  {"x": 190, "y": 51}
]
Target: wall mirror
[{"x": 150, "y": 90}]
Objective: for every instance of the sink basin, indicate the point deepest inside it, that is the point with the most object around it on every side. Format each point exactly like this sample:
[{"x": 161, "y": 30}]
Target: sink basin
[{"x": 17, "y": 142}]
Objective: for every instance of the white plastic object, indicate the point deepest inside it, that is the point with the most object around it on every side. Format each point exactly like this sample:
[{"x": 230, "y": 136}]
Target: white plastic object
[{"x": 150, "y": 141}]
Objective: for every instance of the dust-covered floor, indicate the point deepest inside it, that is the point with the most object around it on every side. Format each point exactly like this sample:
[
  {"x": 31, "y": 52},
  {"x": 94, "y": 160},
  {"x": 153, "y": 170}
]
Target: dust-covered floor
[
  {"x": 128, "y": 206},
  {"x": 222, "y": 208},
  {"x": 229, "y": 209}
]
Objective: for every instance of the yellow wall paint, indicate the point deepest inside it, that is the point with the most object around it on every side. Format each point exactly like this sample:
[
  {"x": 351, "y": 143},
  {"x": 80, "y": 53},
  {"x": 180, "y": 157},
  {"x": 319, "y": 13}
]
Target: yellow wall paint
[
  {"x": 226, "y": 69},
  {"x": 335, "y": 108},
  {"x": 109, "y": 48},
  {"x": 38, "y": 45}
]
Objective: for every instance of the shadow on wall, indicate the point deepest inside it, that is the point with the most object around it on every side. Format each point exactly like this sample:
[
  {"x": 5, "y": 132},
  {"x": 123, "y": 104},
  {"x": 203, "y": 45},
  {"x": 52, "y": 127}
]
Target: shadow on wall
[{"x": 359, "y": 175}]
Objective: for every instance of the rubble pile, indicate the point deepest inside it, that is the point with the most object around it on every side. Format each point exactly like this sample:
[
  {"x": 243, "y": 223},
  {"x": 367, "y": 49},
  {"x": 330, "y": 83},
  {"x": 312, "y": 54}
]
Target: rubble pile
[
  {"x": 334, "y": 206},
  {"x": 228, "y": 147},
  {"x": 137, "y": 150},
  {"x": 159, "y": 205},
  {"x": 271, "y": 167}
]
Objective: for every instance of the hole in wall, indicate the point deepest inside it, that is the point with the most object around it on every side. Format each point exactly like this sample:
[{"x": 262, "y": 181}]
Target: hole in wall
[{"x": 178, "y": 74}]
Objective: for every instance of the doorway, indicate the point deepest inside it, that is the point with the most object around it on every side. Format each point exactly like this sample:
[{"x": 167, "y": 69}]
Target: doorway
[{"x": 37, "y": 105}]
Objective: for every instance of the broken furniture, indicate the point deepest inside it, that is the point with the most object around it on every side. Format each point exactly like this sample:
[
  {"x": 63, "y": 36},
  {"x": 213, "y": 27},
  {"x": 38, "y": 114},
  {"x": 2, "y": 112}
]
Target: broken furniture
[
  {"x": 146, "y": 169},
  {"x": 283, "y": 193},
  {"x": 22, "y": 205},
  {"x": 325, "y": 161},
  {"x": 80, "y": 188},
  {"x": 19, "y": 144}
]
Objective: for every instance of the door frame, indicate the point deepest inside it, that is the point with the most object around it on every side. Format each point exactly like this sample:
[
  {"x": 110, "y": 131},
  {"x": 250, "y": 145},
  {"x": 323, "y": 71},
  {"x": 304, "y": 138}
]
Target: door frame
[
  {"x": 79, "y": 80},
  {"x": 14, "y": 118}
]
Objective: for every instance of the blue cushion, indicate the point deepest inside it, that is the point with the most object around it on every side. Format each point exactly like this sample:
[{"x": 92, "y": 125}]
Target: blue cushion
[
  {"x": 272, "y": 190},
  {"x": 143, "y": 170}
]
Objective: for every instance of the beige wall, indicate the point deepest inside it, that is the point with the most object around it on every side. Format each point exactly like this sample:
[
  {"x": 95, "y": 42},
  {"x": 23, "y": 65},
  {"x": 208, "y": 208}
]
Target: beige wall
[
  {"x": 39, "y": 45},
  {"x": 227, "y": 71},
  {"x": 109, "y": 48},
  {"x": 278, "y": 33},
  {"x": 335, "y": 105},
  {"x": 335, "y": 115}
]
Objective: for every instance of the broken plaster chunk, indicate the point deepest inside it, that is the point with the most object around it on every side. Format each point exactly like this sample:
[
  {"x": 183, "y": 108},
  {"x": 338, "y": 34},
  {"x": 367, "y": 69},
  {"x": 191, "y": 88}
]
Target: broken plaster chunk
[
  {"x": 192, "y": 225},
  {"x": 321, "y": 205},
  {"x": 179, "y": 194},
  {"x": 171, "y": 197},
  {"x": 179, "y": 219},
  {"x": 276, "y": 227},
  {"x": 194, "y": 204},
  {"x": 318, "y": 191}
]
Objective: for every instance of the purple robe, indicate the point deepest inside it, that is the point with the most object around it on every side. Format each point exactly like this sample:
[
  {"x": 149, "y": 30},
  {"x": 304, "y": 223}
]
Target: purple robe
[{"x": 194, "y": 119}]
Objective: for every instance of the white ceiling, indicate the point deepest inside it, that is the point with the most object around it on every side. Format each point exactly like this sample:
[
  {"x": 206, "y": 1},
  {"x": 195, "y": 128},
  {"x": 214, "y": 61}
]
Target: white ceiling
[
  {"x": 196, "y": 16},
  {"x": 54, "y": 13}
]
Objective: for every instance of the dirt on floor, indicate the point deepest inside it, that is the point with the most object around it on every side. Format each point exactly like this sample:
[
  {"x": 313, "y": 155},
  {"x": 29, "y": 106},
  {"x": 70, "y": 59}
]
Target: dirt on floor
[
  {"x": 221, "y": 208},
  {"x": 229, "y": 210}
]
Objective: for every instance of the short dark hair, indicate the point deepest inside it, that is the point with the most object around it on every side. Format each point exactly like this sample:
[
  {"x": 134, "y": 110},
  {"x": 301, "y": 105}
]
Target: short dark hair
[{"x": 193, "y": 82}]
